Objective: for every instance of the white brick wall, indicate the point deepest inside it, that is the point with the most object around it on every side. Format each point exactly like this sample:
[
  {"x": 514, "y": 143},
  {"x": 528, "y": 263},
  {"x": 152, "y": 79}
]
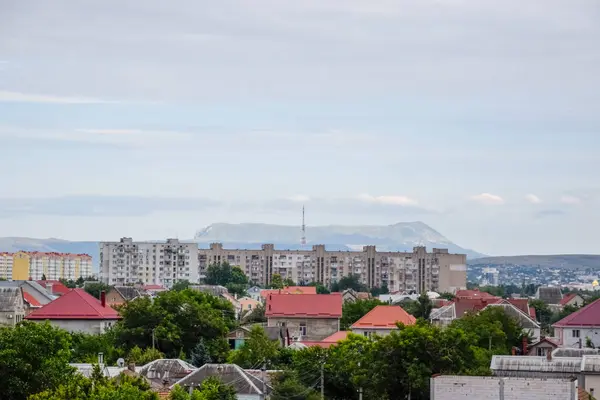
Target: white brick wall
[{"x": 489, "y": 388}]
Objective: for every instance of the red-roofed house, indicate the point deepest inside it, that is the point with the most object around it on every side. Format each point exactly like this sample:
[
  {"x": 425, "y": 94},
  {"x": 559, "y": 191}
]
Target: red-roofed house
[
  {"x": 78, "y": 311},
  {"x": 328, "y": 341},
  {"x": 289, "y": 290},
  {"x": 573, "y": 330},
  {"x": 571, "y": 299},
  {"x": 472, "y": 294},
  {"x": 56, "y": 288},
  {"x": 382, "y": 320},
  {"x": 312, "y": 317}
]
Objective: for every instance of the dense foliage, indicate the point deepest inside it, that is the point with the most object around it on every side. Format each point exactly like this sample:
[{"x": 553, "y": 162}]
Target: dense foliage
[
  {"x": 233, "y": 278},
  {"x": 353, "y": 311}
]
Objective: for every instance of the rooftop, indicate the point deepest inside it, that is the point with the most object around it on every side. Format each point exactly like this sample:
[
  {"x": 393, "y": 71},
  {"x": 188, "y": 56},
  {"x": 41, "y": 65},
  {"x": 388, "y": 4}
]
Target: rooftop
[
  {"x": 57, "y": 287},
  {"x": 230, "y": 374},
  {"x": 289, "y": 290},
  {"x": 77, "y": 304},
  {"x": 384, "y": 317},
  {"x": 585, "y": 316},
  {"x": 307, "y": 305}
]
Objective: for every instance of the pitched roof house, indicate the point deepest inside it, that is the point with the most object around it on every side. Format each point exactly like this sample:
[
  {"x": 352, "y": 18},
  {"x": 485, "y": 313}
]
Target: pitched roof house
[
  {"x": 78, "y": 311},
  {"x": 549, "y": 294},
  {"x": 12, "y": 307},
  {"x": 56, "y": 288},
  {"x": 289, "y": 290},
  {"x": 122, "y": 294},
  {"x": 310, "y": 317},
  {"x": 34, "y": 295},
  {"x": 572, "y": 299},
  {"x": 325, "y": 343},
  {"x": 382, "y": 320},
  {"x": 575, "y": 329}
]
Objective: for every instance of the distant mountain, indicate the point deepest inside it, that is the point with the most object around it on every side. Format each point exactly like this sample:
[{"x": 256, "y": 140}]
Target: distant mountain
[
  {"x": 402, "y": 236},
  {"x": 550, "y": 261},
  {"x": 13, "y": 244}
]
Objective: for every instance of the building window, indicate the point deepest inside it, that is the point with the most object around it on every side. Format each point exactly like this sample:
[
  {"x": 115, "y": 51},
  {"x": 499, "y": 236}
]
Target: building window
[
  {"x": 575, "y": 333},
  {"x": 303, "y": 328},
  {"x": 541, "y": 351}
]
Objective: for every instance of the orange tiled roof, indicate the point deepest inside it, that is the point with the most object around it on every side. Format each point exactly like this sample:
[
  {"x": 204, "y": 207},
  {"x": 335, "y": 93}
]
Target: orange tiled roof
[
  {"x": 289, "y": 290},
  {"x": 384, "y": 317}
]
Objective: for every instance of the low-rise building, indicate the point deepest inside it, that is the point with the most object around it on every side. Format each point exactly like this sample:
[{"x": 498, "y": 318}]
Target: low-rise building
[
  {"x": 247, "y": 304},
  {"x": 119, "y": 295},
  {"x": 12, "y": 306},
  {"x": 310, "y": 317},
  {"x": 572, "y": 299},
  {"x": 289, "y": 290},
  {"x": 580, "y": 328},
  {"x": 78, "y": 311},
  {"x": 382, "y": 320}
]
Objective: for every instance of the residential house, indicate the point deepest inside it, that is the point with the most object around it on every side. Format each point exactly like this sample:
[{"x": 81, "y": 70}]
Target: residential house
[
  {"x": 34, "y": 295},
  {"x": 447, "y": 387},
  {"x": 351, "y": 295},
  {"x": 289, "y": 290},
  {"x": 120, "y": 295},
  {"x": 542, "y": 347},
  {"x": 165, "y": 372},
  {"x": 382, "y": 320},
  {"x": 254, "y": 293},
  {"x": 248, "y": 303},
  {"x": 310, "y": 317},
  {"x": 153, "y": 290},
  {"x": 55, "y": 288},
  {"x": 233, "y": 301},
  {"x": 325, "y": 343},
  {"x": 576, "y": 329},
  {"x": 215, "y": 290},
  {"x": 238, "y": 336},
  {"x": 78, "y": 311},
  {"x": 12, "y": 306},
  {"x": 247, "y": 386},
  {"x": 550, "y": 295},
  {"x": 572, "y": 299}
]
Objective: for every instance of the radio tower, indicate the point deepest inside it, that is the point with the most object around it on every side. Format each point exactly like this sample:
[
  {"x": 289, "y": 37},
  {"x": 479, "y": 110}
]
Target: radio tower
[{"x": 303, "y": 239}]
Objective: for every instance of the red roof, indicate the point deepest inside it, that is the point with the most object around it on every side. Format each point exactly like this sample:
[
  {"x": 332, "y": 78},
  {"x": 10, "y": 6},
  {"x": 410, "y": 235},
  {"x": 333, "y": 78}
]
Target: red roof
[
  {"x": 76, "y": 304},
  {"x": 586, "y": 316},
  {"x": 289, "y": 290},
  {"x": 523, "y": 305},
  {"x": 532, "y": 313},
  {"x": 384, "y": 317},
  {"x": 567, "y": 298},
  {"x": 307, "y": 305},
  {"x": 328, "y": 341},
  {"x": 57, "y": 287},
  {"x": 31, "y": 300},
  {"x": 153, "y": 287},
  {"x": 464, "y": 305}
]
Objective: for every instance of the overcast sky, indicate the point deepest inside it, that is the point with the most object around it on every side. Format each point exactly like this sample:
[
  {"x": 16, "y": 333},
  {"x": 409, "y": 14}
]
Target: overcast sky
[{"x": 155, "y": 118}]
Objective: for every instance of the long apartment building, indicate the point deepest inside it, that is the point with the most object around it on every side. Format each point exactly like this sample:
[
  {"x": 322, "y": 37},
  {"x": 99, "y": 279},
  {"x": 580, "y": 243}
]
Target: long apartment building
[
  {"x": 25, "y": 265},
  {"x": 418, "y": 270},
  {"x": 129, "y": 262}
]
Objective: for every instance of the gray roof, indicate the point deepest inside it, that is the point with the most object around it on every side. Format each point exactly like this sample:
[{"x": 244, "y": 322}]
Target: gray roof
[
  {"x": 215, "y": 290},
  {"x": 33, "y": 288},
  {"x": 230, "y": 374},
  {"x": 590, "y": 363},
  {"x": 11, "y": 299},
  {"x": 524, "y": 320},
  {"x": 549, "y": 294},
  {"x": 171, "y": 370},
  {"x": 531, "y": 366},
  {"x": 128, "y": 292},
  {"x": 87, "y": 369},
  {"x": 574, "y": 352}
]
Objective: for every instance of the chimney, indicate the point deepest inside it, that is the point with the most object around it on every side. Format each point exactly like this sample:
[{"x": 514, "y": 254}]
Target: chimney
[
  {"x": 549, "y": 355},
  {"x": 103, "y": 298},
  {"x": 100, "y": 358},
  {"x": 524, "y": 345},
  {"x": 49, "y": 287},
  {"x": 131, "y": 366}
]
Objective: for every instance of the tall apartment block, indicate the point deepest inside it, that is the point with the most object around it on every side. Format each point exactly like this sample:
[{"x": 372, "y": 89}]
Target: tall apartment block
[
  {"x": 418, "y": 270},
  {"x": 129, "y": 262},
  {"x": 25, "y": 265}
]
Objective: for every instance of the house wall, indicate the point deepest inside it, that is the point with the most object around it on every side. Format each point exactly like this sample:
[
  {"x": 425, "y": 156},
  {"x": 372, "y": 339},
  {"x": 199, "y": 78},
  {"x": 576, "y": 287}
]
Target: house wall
[
  {"x": 113, "y": 297},
  {"x": 546, "y": 347},
  {"x": 567, "y": 339},
  {"x": 591, "y": 383},
  {"x": 316, "y": 328},
  {"x": 575, "y": 301},
  {"x": 490, "y": 388},
  {"x": 248, "y": 397},
  {"x": 14, "y": 319},
  {"x": 86, "y": 326},
  {"x": 380, "y": 332}
]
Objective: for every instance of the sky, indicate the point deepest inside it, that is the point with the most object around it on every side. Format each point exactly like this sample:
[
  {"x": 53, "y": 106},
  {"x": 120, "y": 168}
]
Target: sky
[{"x": 153, "y": 119}]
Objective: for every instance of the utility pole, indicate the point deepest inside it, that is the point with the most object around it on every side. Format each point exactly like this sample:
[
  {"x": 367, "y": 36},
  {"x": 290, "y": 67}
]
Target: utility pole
[
  {"x": 360, "y": 393},
  {"x": 264, "y": 379},
  {"x": 323, "y": 380}
]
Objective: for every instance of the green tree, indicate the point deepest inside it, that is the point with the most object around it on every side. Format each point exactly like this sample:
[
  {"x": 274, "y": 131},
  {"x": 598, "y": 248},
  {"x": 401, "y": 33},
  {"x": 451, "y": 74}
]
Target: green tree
[
  {"x": 95, "y": 288},
  {"x": 350, "y": 282},
  {"x": 143, "y": 357},
  {"x": 276, "y": 282},
  {"x": 543, "y": 313},
  {"x": 200, "y": 354},
  {"x": 85, "y": 348},
  {"x": 257, "y": 349},
  {"x": 288, "y": 282},
  {"x": 233, "y": 278},
  {"x": 321, "y": 289},
  {"x": 256, "y": 315},
  {"x": 210, "y": 389},
  {"x": 176, "y": 320},
  {"x": 353, "y": 311},
  {"x": 33, "y": 357},
  {"x": 424, "y": 307},
  {"x": 181, "y": 285},
  {"x": 288, "y": 386},
  {"x": 447, "y": 296}
]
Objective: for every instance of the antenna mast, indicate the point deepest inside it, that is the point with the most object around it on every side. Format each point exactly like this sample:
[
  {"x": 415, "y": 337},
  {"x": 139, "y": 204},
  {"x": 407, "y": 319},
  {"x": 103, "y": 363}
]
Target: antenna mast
[{"x": 303, "y": 240}]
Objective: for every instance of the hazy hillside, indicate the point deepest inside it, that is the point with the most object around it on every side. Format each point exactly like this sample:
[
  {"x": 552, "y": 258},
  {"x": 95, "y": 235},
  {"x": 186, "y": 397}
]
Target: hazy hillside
[
  {"x": 398, "y": 237},
  {"x": 556, "y": 261}
]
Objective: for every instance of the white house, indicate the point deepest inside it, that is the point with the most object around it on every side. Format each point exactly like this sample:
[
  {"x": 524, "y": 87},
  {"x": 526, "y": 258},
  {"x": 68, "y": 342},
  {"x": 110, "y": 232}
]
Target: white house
[{"x": 576, "y": 329}]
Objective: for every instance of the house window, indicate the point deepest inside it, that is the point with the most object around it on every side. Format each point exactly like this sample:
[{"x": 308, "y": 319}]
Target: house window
[
  {"x": 367, "y": 333},
  {"x": 541, "y": 351},
  {"x": 249, "y": 306},
  {"x": 575, "y": 333},
  {"x": 303, "y": 328}
]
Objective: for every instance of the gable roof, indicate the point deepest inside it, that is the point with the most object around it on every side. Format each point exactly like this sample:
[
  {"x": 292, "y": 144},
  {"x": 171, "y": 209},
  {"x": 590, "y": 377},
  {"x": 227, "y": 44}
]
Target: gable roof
[
  {"x": 384, "y": 317},
  {"x": 31, "y": 300},
  {"x": 172, "y": 370},
  {"x": 586, "y": 316},
  {"x": 76, "y": 304},
  {"x": 307, "y": 305},
  {"x": 512, "y": 311},
  {"x": 128, "y": 293},
  {"x": 568, "y": 297},
  {"x": 289, "y": 290},
  {"x": 549, "y": 294},
  {"x": 11, "y": 299},
  {"x": 472, "y": 294},
  {"x": 32, "y": 288},
  {"x": 230, "y": 374},
  {"x": 57, "y": 287}
]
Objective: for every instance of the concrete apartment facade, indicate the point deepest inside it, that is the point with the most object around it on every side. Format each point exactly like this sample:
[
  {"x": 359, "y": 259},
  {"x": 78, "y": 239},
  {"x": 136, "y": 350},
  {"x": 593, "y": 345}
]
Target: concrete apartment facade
[
  {"x": 418, "y": 270},
  {"x": 25, "y": 265},
  {"x": 129, "y": 262}
]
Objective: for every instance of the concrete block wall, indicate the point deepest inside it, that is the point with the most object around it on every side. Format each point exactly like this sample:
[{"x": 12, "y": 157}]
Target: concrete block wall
[{"x": 448, "y": 387}]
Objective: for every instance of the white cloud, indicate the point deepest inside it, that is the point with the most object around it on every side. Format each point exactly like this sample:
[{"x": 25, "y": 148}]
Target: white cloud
[
  {"x": 572, "y": 200},
  {"x": 389, "y": 200},
  {"x": 488, "y": 198},
  {"x": 17, "y": 97},
  {"x": 533, "y": 199},
  {"x": 299, "y": 198}
]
